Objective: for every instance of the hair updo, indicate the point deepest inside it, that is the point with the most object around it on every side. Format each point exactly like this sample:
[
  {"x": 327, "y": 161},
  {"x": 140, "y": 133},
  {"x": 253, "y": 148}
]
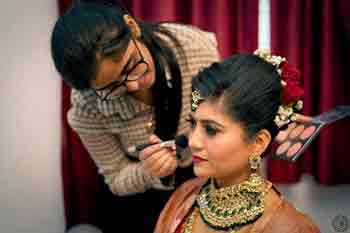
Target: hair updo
[{"x": 250, "y": 89}]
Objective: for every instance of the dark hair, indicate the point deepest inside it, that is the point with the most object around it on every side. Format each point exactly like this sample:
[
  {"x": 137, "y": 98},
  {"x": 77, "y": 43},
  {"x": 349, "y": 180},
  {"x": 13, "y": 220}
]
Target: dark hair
[
  {"x": 79, "y": 35},
  {"x": 89, "y": 28},
  {"x": 249, "y": 88}
]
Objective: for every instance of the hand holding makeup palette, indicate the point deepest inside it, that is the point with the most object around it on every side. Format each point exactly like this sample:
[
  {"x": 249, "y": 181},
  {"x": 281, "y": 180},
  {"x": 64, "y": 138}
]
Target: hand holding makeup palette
[{"x": 299, "y": 136}]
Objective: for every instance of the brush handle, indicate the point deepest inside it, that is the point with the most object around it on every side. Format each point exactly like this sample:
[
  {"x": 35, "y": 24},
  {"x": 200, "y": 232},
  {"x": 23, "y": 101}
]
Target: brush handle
[{"x": 333, "y": 115}]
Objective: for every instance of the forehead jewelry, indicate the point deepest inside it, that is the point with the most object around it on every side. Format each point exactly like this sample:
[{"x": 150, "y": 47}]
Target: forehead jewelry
[{"x": 196, "y": 99}]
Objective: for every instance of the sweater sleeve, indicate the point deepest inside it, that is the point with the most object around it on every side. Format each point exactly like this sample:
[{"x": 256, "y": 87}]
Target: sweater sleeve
[{"x": 123, "y": 176}]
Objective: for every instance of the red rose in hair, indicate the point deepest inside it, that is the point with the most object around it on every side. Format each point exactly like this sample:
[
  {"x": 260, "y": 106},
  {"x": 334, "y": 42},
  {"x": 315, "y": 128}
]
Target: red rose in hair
[{"x": 292, "y": 91}]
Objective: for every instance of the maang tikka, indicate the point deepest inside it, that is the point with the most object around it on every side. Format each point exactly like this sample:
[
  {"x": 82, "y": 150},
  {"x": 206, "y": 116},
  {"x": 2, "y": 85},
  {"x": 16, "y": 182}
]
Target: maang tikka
[{"x": 196, "y": 100}]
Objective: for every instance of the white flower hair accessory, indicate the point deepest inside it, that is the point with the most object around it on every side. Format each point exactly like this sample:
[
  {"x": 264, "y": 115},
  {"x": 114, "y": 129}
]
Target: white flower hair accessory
[{"x": 291, "y": 93}]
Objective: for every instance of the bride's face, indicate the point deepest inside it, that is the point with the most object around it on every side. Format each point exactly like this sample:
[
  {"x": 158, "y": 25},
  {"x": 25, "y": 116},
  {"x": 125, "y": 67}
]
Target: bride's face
[{"x": 218, "y": 144}]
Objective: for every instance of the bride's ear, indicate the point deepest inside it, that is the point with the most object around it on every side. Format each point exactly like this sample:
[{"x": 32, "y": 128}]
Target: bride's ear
[{"x": 261, "y": 141}]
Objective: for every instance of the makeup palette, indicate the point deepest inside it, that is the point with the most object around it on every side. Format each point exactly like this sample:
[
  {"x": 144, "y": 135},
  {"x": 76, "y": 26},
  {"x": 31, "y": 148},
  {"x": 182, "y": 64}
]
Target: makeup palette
[{"x": 299, "y": 136}]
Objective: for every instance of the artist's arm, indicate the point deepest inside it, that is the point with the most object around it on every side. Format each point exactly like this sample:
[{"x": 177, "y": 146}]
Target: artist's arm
[
  {"x": 123, "y": 176},
  {"x": 159, "y": 161}
]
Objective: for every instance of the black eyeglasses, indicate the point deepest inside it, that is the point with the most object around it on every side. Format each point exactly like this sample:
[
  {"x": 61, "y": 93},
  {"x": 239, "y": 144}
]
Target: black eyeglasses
[{"x": 138, "y": 70}]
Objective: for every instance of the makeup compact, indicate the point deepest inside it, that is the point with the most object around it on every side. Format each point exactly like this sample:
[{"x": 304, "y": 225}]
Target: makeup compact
[{"x": 299, "y": 136}]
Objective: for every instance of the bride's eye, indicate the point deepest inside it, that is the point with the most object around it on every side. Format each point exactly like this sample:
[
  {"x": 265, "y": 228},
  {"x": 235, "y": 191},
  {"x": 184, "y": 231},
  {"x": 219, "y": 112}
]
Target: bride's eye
[{"x": 210, "y": 130}]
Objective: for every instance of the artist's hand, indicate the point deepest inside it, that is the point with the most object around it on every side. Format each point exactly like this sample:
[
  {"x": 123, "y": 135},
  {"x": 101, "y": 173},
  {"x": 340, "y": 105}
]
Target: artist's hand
[
  {"x": 158, "y": 161},
  {"x": 299, "y": 120}
]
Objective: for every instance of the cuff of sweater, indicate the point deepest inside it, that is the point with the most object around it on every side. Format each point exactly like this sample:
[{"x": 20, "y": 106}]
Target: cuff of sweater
[{"x": 166, "y": 183}]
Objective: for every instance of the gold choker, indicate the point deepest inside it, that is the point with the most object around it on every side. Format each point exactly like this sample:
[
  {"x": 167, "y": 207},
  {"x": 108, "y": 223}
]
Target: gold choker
[{"x": 232, "y": 207}]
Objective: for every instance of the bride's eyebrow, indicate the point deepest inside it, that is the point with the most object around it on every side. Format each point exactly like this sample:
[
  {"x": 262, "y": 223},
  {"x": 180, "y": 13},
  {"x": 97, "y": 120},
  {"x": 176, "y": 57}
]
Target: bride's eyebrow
[
  {"x": 206, "y": 121},
  {"x": 212, "y": 122}
]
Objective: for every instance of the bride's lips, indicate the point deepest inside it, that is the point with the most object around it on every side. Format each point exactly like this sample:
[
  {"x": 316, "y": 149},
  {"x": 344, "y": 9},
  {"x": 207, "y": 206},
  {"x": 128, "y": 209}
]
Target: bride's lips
[{"x": 197, "y": 159}]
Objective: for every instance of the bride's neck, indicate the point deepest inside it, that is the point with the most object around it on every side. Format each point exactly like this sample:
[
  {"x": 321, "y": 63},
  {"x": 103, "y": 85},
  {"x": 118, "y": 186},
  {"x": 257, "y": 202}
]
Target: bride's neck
[{"x": 230, "y": 181}]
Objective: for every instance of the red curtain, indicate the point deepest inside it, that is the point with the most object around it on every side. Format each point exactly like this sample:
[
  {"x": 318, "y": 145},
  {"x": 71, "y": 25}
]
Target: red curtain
[
  {"x": 235, "y": 23},
  {"x": 315, "y": 36},
  {"x": 80, "y": 180}
]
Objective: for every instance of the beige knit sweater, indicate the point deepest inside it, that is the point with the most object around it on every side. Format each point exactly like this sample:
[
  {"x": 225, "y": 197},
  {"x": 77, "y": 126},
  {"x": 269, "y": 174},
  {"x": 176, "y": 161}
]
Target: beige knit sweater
[{"x": 108, "y": 128}]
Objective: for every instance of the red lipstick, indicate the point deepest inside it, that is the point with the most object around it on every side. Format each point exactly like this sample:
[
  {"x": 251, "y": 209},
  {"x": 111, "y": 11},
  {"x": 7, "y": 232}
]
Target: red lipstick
[{"x": 197, "y": 159}]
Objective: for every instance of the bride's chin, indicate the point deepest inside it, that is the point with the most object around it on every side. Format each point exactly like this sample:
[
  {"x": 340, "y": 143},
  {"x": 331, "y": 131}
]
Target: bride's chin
[{"x": 198, "y": 172}]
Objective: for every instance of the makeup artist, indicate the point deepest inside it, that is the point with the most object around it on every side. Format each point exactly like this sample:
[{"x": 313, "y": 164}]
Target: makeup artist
[{"x": 131, "y": 80}]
